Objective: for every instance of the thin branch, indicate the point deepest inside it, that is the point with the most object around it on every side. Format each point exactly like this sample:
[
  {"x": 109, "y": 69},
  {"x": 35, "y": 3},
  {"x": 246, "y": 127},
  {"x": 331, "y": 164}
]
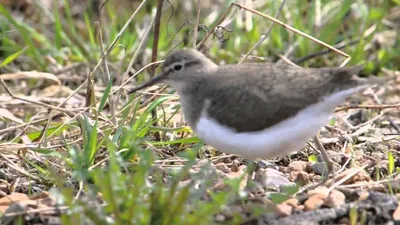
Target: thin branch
[
  {"x": 119, "y": 35},
  {"x": 343, "y": 108},
  {"x": 196, "y": 25},
  {"x": 156, "y": 36},
  {"x": 112, "y": 92},
  {"x": 292, "y": 29},
  {"x": 106, "y": 72},
  {"x": 19, "y": 169},
  {"x": 324, "y": 52},
  {"x": 265, "y": 36},
  {"x": 221, "y": 19},
  {"x": 67, "y": 111},
  {"x": 157, "y": 26},
  {"x": 14, "y": 128}
]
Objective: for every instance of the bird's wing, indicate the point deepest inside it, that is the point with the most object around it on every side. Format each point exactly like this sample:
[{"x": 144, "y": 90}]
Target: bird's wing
[
  {"x": 246, "y": 111},
  {"x": 269, "y": 99}
]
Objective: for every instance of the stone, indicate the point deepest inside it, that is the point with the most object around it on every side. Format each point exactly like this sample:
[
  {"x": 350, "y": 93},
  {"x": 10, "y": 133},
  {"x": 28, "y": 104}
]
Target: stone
[
  {"x": 312, "y": 203},
  {"x": 293, "y": 202},
  {"x": 321, "y": 191},
  {"x": 396, "y": 213},
  {"x": 283, "y": 209},
  {"x": 300, "y": 177},
  {"x": 297, "y": 166},
  {"x": 335, "y": 199},
  {"x": 13, "y": 197},
  {"x": 271, "y": 178},
  {"x": 319, "y": 168}
]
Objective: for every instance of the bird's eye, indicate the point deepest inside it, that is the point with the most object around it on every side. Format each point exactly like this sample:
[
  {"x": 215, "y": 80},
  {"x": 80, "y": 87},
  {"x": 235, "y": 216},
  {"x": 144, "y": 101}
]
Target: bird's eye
[{"x": 178, "y": 67}]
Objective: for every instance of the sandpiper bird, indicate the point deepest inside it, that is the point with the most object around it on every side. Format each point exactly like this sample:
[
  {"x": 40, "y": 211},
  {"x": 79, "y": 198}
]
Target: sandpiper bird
[{"x": 256, "y": 110}]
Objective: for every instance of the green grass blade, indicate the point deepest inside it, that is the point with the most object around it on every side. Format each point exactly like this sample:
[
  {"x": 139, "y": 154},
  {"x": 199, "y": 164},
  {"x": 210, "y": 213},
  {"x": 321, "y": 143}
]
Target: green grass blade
[
  {"x": 12, "y": 57},
  {"x": 106, "y": 95},
  {"x": 26, "y": 36}
]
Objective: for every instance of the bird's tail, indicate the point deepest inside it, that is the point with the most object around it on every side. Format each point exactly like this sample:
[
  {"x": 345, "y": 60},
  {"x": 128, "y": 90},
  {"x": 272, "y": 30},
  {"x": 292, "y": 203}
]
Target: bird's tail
[
  {"x": 352, "y": 74},
  {"x": 372, "y": 80}
]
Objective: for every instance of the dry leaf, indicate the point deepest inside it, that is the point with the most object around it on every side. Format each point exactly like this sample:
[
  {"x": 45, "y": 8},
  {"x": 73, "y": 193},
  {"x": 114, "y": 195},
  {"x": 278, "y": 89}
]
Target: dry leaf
[
  {"x": 8, "y": 115},
  {"x": 30, "y": 75}
]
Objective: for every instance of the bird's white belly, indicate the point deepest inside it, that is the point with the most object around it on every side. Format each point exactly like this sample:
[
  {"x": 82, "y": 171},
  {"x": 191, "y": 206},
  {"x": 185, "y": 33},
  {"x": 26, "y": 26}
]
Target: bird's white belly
[{"x": 282, "y": 138}]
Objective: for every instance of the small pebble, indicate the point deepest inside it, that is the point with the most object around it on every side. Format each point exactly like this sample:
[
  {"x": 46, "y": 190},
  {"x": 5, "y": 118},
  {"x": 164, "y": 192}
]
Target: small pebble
[
  {"x": 292, "y": 202},
  {"x": 222, "y": 167},
  {"x": 396, "y": 214},
  {"x": 266, "y": 164},
  {"x": 297, "y": 166},
  {"x": 363, "y": 195},
  {"x": 270, "y": 178},
  {"x": 321, "y": 191},
  {"x": 335, "y": 199},
  {"x": 319, "y": 168},
  {"x": 284, "y": 209},
  {"x": 302, "y": 178},
  {"x": 312, "y": 203}
]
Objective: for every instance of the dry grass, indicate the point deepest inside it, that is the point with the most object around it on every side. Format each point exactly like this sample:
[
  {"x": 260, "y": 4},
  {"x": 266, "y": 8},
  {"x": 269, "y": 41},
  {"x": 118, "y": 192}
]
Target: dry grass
[{"x": 68, "y": 127}]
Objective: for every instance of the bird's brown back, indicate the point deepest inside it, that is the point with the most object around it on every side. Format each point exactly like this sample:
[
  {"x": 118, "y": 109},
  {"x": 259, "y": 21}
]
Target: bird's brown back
[{"x": 252, "y": 97}]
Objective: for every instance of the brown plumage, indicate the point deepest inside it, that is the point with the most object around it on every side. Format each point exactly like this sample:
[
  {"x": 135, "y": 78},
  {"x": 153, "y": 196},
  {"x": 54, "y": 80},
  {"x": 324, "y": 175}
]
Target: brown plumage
[
  {"x": 249, "y": 96},
  {"x": 256, "y": 109},
  {"x": 252, "y": 97}
]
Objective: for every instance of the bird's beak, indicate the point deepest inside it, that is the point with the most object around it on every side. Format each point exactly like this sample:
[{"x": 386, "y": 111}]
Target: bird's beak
[{"x": 157, "y": 79}]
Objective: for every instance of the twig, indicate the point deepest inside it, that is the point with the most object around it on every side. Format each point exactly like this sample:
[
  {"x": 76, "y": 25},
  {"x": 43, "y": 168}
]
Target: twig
[
  {"x": 387, "y": 106},
  {"x": 19, "y": 170},
  {"x": 67, "y": 111},
  {"x": 156, "y": 36},
  {"x": 112, "y": 92},
  {"x": 221, "y": 19},
  {"x": 196, "y": 25},
  {"x": 394, "y": 125},
  {"x": 324, "y": 52},
  {"x": 43, "y": 134},
  {"x": 341, "y": 181},
  {"x": 345, "y": 62},
  {"x": 372, "y": 120},
  {"x": 358, "y": 185},
  {"x": 139, "y": 48},
  {"x": 286, "y": 60},
  {"x": 265, "y": 36},
  {"x": 106, "y": 72},
  {"x": 31, "y": 211},
  {"x": 23, "y": 131},
  {"x": 289, "y": 51},
  {"x": 154, "y": 96},
  {"x": 154, "y": 57},
  {"x": 119, "y": 35},
  {"x": 13, "y": 128},
  {"x": 292, "y": 29}
]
